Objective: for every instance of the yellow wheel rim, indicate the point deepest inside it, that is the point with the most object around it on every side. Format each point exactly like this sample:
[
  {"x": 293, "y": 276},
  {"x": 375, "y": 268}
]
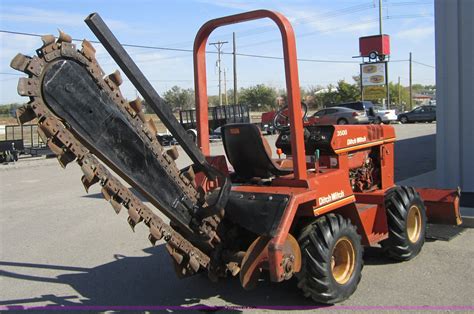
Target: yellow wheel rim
[
  {"x": 343, "y": 260},
  {"x": 414, "y": 224}
]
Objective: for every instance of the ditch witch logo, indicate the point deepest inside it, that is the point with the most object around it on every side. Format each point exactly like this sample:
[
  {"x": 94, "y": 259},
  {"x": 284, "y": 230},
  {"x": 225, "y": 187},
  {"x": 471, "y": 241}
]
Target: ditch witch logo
[
  {"x": 357, "y": 140},
  {"x": 330, "y": 198}
]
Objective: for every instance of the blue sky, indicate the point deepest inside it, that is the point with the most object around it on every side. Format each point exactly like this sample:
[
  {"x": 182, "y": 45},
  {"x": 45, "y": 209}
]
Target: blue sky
[{"x": 325, "y": 30}]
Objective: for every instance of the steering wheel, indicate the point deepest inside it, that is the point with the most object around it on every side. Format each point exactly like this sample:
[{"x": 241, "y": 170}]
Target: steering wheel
[{"x": 281, "y": 119}]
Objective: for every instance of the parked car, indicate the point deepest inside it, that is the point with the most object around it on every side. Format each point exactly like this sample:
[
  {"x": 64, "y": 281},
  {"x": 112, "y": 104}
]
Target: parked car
[
  {"x": 339, "y": 115},
  {"x": 419, "y": 114},
  {"x": 384, "y": 115},
  {"x": 361, "y": 106}
]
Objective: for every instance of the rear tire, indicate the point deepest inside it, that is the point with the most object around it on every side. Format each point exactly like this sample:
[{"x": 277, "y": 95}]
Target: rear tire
[
  {"x": 342, "y": 121},
  {"x": 406, "y": 216},
  {"x": 403, "y": 119},
  {"x": 331, "y": 259}
]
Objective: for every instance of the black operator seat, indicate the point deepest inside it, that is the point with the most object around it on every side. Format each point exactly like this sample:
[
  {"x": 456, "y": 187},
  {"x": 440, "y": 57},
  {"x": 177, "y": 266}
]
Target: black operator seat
[{"x": 249, "y": 152}]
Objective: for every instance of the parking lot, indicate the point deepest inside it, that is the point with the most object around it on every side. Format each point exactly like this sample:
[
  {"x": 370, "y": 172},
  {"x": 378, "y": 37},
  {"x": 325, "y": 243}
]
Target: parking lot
[{"x": 61, "y": 246}]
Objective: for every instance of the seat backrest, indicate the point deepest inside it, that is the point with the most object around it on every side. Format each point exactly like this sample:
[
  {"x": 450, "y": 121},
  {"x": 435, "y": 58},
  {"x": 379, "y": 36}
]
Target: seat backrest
[{"x": 248, "y": 151}]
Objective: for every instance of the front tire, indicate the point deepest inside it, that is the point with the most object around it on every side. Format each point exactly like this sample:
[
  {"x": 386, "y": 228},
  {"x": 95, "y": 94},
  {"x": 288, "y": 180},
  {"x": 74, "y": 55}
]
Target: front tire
[
  {"x": 342, "y": 121},
  {"x": 406, "y": 216},
  {"x": 403, "y": 119},
  {"x": 331, "y": 259}
]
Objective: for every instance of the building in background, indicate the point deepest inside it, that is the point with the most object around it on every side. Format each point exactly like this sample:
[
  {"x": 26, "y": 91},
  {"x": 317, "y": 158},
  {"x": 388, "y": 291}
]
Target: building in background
[{"x": 454, "y": 29}]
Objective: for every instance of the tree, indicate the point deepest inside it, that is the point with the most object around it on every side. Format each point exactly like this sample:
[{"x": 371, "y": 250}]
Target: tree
[
  {"x": 213, "y": 100},
  {"x": 311, "y": 98},
  {"x": 179, "y": 98},
  {"x": 327, "y": 97},
  {"x": 9, "y": 109},
  {"x": 259, "y": 97},
  {"x": 404, "y": 95},
  {"x": 347, "y": 92}
]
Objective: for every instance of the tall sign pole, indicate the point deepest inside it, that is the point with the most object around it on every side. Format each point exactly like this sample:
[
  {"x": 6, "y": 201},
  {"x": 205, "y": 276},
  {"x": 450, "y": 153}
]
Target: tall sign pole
[{"x": 380, "y": 17}]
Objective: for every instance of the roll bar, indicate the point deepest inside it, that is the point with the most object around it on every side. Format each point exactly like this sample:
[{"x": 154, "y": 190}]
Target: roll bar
[{"x": 291, "y": 75}]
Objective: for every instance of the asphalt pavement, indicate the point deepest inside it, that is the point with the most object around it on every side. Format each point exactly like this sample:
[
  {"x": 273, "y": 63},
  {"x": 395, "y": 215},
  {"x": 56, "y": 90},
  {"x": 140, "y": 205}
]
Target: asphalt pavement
[{"x": 61, "y": 246}]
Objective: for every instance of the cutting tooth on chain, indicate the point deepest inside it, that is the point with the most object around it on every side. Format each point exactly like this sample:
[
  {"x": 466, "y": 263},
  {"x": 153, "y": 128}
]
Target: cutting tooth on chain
[
  {"x": 48, "y": 40},
  {"x": 116, "y": 78},
  {"x": 88, "y": 183},
  {"x": 65, "y": 158},
  {"x": 116, "y": 205},
  {"x": 88, "y": 50},
  {"x": 88, "y": 172},
  {"x": 152, "y": 126},
  {"x": 137, "y": 107},
  {"x": 63, "y": 37},
  {"x": 177, "y": 256},
  {"x": 152, "y": 239},
  {"x": 157, "y": 233},
  {"x": 54, "y": 147},
  {"x": 173, "y": 153},
  {"x": 106, "y": 193},
  {"x": 20, "y": 62},
  {"x": 133, "y": 216},
  {"x": 189, "y": 175},
  {"x": 28, "y": 87},
  {"x": 25, "y": 114}
]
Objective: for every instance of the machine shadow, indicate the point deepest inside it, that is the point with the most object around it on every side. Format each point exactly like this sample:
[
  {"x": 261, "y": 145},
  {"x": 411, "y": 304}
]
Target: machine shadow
[
  {"x": 150, "y": 280},
  {"x": 101, "y": 196},
  {"x": 415, "y": 156}
]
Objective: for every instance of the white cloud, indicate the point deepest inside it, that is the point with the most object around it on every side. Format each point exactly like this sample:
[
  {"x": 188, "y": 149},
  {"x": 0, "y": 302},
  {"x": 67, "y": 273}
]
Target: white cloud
[
  {"x": 232, "y": 4},
  {"x": 417, "y": 33},
  {"x": 317, "y": 21},
  {"x": 62, "y": 18}
]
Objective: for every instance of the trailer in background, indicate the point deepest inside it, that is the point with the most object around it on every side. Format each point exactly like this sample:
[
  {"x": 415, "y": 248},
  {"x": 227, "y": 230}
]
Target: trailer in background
[{"x": 218, "y": 116}]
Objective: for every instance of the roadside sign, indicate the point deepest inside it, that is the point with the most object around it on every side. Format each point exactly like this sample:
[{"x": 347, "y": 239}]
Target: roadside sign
[
  {"x": 373, "y": 73},
  {"x": 374, "y": 92}
]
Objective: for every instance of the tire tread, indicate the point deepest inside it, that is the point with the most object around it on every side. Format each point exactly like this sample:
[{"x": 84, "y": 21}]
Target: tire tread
[
  {"x": 397, "y": 203},
  {"x": 315, "y": 241}
]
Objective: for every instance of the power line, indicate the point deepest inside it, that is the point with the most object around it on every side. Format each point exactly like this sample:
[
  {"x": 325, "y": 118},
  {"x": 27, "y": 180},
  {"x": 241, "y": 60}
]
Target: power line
[
  {"x": 98, "y": 42},
  {"x": 424, "y": 64},
  {"x": 313, "y": 18},
  {"x": 6, "y": 73},
  {"x": 299, "y": 59},
  {"x": 371, "y": 21},
  {"x": 225, "y": 53},
  {"x": 184, "y": 50},
  {"x": 299, "y": 21}
]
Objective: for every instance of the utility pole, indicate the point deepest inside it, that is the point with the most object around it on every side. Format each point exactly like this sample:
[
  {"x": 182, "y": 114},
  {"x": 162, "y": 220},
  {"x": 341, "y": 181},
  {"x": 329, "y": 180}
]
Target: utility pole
[
  {"x": 411, "y": 87},
  {"x": 380, "y": 16},
  {"x": 225, "y": 88},
  {"x": 218, "y": 46},
  {"x": 399, "y": 99},
  {"x": 234, "y": 52}
]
